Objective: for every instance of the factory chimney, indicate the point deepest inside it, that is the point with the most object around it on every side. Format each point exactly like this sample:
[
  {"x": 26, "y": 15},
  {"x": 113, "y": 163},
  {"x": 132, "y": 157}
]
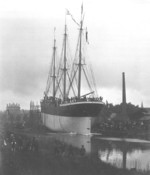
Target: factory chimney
[{"x": 124, "y": 105}]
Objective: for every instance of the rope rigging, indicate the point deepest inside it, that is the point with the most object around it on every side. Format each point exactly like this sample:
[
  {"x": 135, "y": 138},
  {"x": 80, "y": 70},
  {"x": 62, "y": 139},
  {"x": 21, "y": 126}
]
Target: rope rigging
[{"x": 72, "y": 79}]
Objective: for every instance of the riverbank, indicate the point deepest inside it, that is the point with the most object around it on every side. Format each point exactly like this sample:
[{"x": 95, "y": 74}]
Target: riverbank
[
  {"x": 50, "y": 157},
  {"x": 20, "y": 162}
]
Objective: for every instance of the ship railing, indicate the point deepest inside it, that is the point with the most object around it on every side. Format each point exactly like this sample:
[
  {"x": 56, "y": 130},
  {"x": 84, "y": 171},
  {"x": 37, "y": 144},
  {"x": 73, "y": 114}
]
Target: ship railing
[
  {"x": 75, "y": 99},
  {"x": 58, "y": 101}
]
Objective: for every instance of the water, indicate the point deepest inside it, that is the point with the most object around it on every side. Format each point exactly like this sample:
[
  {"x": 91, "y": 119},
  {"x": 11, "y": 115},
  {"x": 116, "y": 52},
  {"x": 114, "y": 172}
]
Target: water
[
  {"x": 122, "y": 153},
  {"x": 125, "y": 153}
]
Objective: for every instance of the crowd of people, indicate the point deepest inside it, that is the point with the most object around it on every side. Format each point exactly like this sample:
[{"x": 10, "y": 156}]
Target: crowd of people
[
  {"x": 22, "y": 143},
  {"x": 58, "y": 101},
  {"x": 120, "y": 126},
  {"x": 26, "y": 154},
  {"x": 13, "y": 142}
]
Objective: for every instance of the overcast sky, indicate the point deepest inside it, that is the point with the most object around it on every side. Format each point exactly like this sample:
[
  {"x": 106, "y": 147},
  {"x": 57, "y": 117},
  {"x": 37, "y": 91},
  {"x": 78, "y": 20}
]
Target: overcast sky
[{"x": 119, "y": 41}]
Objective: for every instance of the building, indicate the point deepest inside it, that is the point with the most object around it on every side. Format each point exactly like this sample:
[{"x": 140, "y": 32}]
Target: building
[
  {"x": 13, "y": 108},
  {"x": 13, "y": 111}
]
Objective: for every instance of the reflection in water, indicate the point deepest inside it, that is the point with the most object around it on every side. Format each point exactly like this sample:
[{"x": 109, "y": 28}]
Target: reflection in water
[
  {"x": 75, "y": 140},
  {"x": 124, "y": 154},
  {"x": 121, "y": 153}
]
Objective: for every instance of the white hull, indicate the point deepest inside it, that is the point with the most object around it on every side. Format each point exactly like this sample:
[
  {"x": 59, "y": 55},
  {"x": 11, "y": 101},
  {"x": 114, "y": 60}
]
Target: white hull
[{"x": 78, "y": 125}]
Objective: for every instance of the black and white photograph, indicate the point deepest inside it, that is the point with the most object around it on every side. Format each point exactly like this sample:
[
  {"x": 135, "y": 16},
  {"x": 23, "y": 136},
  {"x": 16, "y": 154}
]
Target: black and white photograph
[{"x": 74, "y": 87}]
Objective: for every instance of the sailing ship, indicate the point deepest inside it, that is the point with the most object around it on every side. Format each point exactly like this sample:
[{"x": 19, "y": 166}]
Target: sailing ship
[{"x": 63, "y": 108}]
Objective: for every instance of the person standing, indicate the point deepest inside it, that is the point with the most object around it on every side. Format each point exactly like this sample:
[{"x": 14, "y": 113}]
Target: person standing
[{"x": 82, "y": 151}]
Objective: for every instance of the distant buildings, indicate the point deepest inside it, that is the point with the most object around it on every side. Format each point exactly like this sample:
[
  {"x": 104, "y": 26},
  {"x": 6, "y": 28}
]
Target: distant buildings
[
  {"x": 14, "y": 112},
  {"x": 13, "y": 108},
  {"x": 34, "y": 107},
  {"x": 35, "y": 115}
]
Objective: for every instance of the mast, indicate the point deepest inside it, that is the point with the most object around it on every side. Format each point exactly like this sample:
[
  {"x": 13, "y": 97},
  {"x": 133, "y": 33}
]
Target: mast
[
  {"x": 54, "y": 76},
  {"x": 65, "y": 61},
  {"x": 80, "y": 58}
]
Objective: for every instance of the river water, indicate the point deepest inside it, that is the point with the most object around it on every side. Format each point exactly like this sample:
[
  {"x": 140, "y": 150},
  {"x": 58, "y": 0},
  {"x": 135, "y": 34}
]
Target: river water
[{"x": 123, "y": 153}]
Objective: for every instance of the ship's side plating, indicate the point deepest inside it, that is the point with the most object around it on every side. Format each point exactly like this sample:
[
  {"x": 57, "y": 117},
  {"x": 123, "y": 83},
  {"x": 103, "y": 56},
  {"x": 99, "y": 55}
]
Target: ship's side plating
[
  {"x": 71, "y": 117},
  {"x": 79, "y": 125}
]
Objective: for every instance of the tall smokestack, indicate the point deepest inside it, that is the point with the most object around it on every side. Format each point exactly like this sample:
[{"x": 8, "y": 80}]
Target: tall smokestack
[
  {"x": 123, "y": 89},
  {"x": 124, "y": 112}
]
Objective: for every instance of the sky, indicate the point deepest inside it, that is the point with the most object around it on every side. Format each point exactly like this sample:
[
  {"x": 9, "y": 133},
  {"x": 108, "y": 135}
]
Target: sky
[{"x": 119, "y": 41}]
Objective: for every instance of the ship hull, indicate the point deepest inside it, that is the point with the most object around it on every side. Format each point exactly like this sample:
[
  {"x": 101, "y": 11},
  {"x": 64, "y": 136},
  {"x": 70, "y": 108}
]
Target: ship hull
[
  {"x": 78, "y": 125},
  {"x": 72, "y": 117}
]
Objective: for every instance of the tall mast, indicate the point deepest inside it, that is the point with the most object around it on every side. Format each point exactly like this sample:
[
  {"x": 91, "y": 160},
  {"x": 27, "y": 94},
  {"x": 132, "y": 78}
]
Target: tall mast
[
  {"x": 54, "y": 76},
  {"x": 80, "y": 58},
  {"x": 65, "y": 61}
]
